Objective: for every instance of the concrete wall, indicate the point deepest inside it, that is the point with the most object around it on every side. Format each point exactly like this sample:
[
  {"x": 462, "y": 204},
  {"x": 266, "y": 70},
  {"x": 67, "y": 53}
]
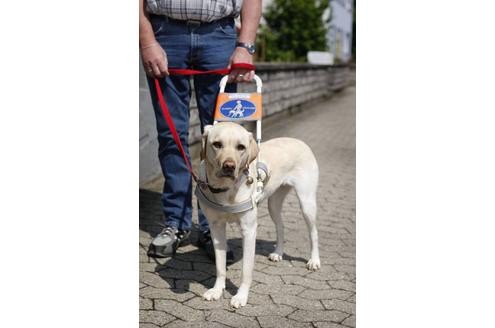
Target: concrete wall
[{"x": 284, "y": 86}]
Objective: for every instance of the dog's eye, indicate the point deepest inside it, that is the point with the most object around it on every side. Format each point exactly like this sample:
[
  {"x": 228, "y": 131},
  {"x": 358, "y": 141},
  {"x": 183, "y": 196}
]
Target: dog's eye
[
  {"x": 217, "y": 144},
  {"x": 241, "y": 147}
]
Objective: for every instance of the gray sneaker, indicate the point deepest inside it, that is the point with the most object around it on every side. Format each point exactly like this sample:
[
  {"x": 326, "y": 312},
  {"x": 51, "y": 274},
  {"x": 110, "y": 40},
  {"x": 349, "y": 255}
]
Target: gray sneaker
[{"x": 165, "y": 244}]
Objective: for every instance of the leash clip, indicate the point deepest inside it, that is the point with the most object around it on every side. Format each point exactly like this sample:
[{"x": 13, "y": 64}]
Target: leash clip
[{"x": 203, "y": 185}]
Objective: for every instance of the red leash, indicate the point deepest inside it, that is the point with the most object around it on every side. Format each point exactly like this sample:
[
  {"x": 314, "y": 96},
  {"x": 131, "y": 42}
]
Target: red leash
[
  {"x": 166, "y": 113},
  {"x": 221, "y": 71}
]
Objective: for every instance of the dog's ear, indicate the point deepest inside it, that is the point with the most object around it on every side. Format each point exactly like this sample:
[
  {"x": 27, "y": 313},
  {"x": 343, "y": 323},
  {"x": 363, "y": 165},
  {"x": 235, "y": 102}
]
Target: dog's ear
[
  {"x": 204, "y": 140},
  {"x": 253, "y": 149}
]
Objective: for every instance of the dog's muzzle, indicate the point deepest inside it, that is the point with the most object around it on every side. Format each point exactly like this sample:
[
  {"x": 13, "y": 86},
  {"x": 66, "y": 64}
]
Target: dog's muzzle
[{"x": 228, "y": 168}]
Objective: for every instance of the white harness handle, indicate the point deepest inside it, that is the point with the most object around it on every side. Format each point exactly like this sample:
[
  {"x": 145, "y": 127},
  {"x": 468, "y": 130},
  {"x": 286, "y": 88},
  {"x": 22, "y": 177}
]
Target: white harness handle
[{"x": 257, "y": 80}]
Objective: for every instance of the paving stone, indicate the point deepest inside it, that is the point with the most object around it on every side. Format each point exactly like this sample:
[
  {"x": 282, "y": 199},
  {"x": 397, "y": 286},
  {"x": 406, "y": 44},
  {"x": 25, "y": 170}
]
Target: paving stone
[
  {"x": 298, "y": 263},
  {"x": 324, "y": 324},
  {"x": 154, "y": 280},
  {"x": 159, "y": 293},
  {"x": 259, "y": 299},
  {"x": 305, "y": 282},
  {"x": 147, "y": 325},
  {"x": 327, "y": 294},
  {"x": 198, "y": 288},
  {"x": 176, "y": 264},
  {"x": 232, "y": 319},
  {"x": 329, "y": 275},
  {"x": 142, "y": 252},
  {"x": 266, "y": 278},
  {"x": 263, "y": 259},
  {"x": 352, "y": 276},
  {"x": 144, "y": 236},
  {"x": 209, "y": 268},
  {"x": 145, "y": 304},
  {"x": 183, "y": 274},
  {"x": 199, "y": 303},
  {"x": 234, "y": 274},
  {"x": 348, "y": 254},
  {"x": 310, "y": 316},
  {"x": 187, "y": 324},
  {"x": 147, "y": 266},
  {"x": 281, "y": 322},
  {"x": 155, "y": 317},
  {"x": 345, "y": 268},
  {"x": 339, "y": 305},
  {"x": 194, "y": 257},
  {"x": 286, "y": 289},
  {"x": 351, "y": 321},
  {"x": 340, "y": 260},
  {"x": 265, "y": 309},
  {"x": 178, "y": 310},
  {"x": 297, "y": 302},
  {"x": 187, "y": 249},
  {"x": 342, "y": 284},
  {"x": 272, "y": 270}
]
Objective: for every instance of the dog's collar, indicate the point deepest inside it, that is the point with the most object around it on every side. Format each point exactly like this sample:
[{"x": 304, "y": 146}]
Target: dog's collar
[
  {"x": 203, "y": 180},
  {"x": 216, "y": 190}
]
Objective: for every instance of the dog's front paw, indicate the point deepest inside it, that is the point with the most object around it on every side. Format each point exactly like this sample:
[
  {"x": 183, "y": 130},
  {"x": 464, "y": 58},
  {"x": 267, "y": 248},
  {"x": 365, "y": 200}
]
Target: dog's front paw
[
  {"x": 238, "y": 300},
  {"x": 275, "y": 257},
  {"x": 313, "y": 264},
  {"x": 212, "y": 294}
]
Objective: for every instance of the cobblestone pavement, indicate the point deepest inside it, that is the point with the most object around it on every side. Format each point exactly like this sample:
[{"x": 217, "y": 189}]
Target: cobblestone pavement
[{"x": 283, "y": 294}]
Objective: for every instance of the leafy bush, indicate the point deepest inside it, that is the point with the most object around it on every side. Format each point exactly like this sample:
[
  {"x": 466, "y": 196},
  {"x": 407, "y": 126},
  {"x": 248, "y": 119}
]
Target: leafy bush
[{"x": 293, "y": 27}]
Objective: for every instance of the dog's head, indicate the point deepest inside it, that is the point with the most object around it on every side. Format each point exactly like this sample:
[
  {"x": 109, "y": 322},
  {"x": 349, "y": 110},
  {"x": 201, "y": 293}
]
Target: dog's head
[{"x": 228, "y": 148}]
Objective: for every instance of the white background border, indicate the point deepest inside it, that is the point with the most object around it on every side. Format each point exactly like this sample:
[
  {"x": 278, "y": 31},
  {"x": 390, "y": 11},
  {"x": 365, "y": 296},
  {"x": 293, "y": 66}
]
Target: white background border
[
  {"x": 426, "y": 165},
  {"x": 69, "y": 167}
]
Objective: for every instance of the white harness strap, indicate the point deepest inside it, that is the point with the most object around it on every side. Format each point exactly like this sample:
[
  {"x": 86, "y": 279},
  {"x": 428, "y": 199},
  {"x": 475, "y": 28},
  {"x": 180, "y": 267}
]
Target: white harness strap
[
  {"x": 237, "y": 208},
  {"x": 243, "y": 206},
  {"x": 202, "y": 171}
]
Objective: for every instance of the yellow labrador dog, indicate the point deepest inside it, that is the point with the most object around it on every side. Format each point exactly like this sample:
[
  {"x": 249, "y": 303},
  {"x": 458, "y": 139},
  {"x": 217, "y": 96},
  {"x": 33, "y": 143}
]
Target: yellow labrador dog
[{"x": 228, "y": 166}]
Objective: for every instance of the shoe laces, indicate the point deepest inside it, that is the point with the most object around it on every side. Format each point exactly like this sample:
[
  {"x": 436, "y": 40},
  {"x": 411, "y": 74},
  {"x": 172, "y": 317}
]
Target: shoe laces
[{"x": 168, "y": 231}]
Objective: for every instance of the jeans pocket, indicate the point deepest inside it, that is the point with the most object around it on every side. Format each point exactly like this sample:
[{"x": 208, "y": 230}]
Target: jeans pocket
[
  {"x": 157, "y": 23},
  {"x": 227, "y": 27}
]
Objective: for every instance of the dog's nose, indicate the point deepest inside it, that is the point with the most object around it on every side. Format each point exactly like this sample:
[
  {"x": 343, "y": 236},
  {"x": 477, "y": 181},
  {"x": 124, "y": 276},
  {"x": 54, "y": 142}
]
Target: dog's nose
[{"x": 228, "y": 166}]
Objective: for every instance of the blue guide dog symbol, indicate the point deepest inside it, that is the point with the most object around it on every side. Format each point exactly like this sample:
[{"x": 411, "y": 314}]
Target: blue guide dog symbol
[{"x": 238, "y": 108}]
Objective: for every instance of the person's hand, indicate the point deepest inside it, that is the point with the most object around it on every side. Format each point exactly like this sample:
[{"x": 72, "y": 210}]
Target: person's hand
[
  {"x": 154, "y": 60},
  {"x": 241, "y": 55}
]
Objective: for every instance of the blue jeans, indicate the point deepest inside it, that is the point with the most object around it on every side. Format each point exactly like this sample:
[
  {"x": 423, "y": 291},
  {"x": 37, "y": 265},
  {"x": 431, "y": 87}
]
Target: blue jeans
[{"x": 204, "y": 47}]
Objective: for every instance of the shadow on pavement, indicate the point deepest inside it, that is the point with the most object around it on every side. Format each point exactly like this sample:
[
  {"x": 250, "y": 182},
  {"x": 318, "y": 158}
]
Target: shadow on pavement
[{"x": 172, "y": 269}]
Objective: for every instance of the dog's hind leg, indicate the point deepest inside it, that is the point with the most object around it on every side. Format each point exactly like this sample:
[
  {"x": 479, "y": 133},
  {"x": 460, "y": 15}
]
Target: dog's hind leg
[
  {"x": 306, "y": 192},
  {"x": 275, "y": 209}
]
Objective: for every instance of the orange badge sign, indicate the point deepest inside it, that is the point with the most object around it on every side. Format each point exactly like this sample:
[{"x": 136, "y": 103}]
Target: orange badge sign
[{"x": 238, "y": 107}]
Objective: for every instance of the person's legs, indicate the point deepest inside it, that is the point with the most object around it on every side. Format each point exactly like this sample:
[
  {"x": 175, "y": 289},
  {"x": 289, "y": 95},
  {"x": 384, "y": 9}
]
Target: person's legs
[
  {"x": 177, "y": 189},
  {"x": 214, "y": 46}
]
